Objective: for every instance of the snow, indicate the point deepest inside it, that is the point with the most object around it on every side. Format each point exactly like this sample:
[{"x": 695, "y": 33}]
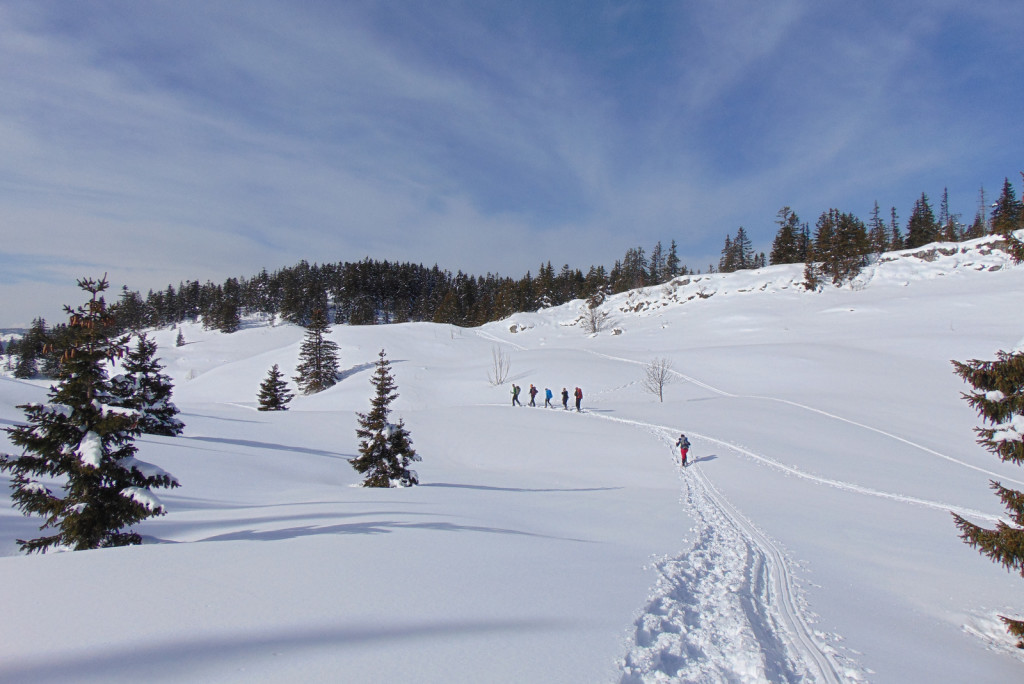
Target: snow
[
  {"x": 809, "y": 540},
  {"x": 147, "y": 469},
  {"x": 143, "y": 496},
  {"x": 90, "y": 450}
]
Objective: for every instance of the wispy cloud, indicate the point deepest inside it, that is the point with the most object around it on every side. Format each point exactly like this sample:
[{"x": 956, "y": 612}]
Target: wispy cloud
[{"x": 163, "y": 141}]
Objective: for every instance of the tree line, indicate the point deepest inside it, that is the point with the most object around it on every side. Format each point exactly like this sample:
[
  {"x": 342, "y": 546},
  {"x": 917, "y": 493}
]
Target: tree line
[
  {"x": 841, "y": 243},
  {"x": 374, "y": 292}
]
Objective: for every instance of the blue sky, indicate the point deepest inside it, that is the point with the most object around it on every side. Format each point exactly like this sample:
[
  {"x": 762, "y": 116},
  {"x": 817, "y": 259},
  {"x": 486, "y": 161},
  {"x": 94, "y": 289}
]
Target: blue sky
[{"x": 164, "y": 141}]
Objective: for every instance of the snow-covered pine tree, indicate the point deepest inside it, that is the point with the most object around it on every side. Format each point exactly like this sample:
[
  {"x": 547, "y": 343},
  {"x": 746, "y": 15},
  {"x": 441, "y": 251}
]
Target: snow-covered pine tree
[
  {"x": 180, "y": 340},
  {"x": 998, "y": 397},
  {"x": 79, "y": 443},
  {"x": 318, "y": 357},
  {"x": 144, "y": 388},
  {"x": 274, "y": 394},
  {"x": 385, "y": 449}
]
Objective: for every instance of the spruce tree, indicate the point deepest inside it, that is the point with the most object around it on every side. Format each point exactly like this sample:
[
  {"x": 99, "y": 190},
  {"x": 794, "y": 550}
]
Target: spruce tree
[
  {"x": 1006, "y": 211},
  {"x": 672, "y": 263},
  {"x": 896, "y": 241},
  {"x": 179, "y": 341},
  {"x": 786, "y": 246},
  {"x": 81, "y": 444},
  {"x": 31, "y": 349},
  {"x": 657, "y": 265},
  {"x": 318, "y": 357},
  {"x": 27, "y": 365},
  {"x": 727, "y": 262},
  {"x": 1007, "y": 217},
  {"x": 385, "y": 449},
  {"x": 744, "y": 250},
  {"x": 145, "y": 389},
  {"x": 812, "y": 270},
  {"x": 878, "y": 235},
  {"x": 998, "y": 397},
  {"x": 922, "y": 227},
  {"x": 274, "y": 394}
]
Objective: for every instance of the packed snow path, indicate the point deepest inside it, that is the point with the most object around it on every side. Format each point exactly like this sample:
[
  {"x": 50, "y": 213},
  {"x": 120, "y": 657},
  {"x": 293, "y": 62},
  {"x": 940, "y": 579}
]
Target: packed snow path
[{"x": 726, "y": 609}]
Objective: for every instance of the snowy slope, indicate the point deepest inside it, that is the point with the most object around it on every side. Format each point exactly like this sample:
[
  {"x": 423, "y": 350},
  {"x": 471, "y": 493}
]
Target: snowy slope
[{"x": 810, "y": 541}]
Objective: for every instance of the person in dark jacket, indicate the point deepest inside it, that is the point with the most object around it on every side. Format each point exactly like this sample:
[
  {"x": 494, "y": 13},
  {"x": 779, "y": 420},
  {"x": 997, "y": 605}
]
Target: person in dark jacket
[
  {"x": 684, "y": 447},
  {"x": 565, "y": 399},
  {"x": 533, "y": 396}
]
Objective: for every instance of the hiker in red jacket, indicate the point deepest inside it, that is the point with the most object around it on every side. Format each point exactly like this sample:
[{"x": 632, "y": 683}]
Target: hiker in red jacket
[{"x": 579, "y": 397}]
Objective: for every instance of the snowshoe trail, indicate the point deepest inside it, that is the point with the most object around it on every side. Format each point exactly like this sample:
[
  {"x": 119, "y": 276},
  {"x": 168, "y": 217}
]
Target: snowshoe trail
[
  {"x": 727, "y": 609},
  {"x": 715, "y": 390}
]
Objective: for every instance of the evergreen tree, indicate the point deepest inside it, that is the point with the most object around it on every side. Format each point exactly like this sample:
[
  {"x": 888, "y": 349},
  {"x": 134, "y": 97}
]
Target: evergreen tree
[
  {"x": 850, "y": 246},
  {"x": 274, "y": 394},
  {"x": 878, "y": 235},
  {"x": 744, "y": 250},
  {"x": 31, "y": 349},
  {"x": 812, "y": 270},
  {"x": 980, "y": 226},
  {"x": 1007, "y": 217},
  {"x": 27, "y": 365},
  {"x": 144, "y": 388},
  {"x": 922, "y": 227},
  {"x": 54, "y": 340},
  {"x": 949, "y": 223},
  {"x": 786, "y": 248},
  {"x": 85, "y": 445},
  {"x": 130, "y": 312},
  {"x": 385, "y": 449},
  {"x": 824, "y": 239},
  {"x": 672, "y": 269},
  {"x": 657, "y": 265},
  {"x": 1006, "y": 211},
  {"x": 318, "y": 357},
  {"x": 727, "y": 262},
  {"x": 840, "y": 245},
  {"x": 180, "y": 340},
  {"x": 738, "y": 253},
  {"x": 998, "y": 397},
  {"x": 896, "y": 241}
]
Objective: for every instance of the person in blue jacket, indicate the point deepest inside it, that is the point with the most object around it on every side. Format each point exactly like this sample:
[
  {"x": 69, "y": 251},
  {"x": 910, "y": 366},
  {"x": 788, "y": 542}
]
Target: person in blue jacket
[{"x": 547, "y": 397}]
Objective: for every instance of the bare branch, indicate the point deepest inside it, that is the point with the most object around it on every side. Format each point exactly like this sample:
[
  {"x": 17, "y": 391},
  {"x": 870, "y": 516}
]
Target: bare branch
[
  {"x": 501, "y": 364},
  {"x": 657, "y": 374}
]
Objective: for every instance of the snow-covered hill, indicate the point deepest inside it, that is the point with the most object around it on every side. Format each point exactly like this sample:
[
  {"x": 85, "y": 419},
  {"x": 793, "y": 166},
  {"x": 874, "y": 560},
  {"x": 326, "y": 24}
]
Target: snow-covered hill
[{"x": 810, "y": 541}]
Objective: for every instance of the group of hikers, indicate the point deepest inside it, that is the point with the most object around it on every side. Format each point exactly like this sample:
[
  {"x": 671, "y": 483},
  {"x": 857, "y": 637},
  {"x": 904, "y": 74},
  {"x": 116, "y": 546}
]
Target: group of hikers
[
  {"x": 548, "y": 395},
  {"x": 683, "y": 443}
]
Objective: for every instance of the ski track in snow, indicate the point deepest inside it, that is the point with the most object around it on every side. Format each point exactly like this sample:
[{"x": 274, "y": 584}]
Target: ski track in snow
[
  {"x": 921, "y": 447},
  {"x": 727, "y": 609}
]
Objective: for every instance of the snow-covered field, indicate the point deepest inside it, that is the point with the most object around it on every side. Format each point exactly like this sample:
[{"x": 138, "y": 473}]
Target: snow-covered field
[{"x": 810, "y": 541}]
